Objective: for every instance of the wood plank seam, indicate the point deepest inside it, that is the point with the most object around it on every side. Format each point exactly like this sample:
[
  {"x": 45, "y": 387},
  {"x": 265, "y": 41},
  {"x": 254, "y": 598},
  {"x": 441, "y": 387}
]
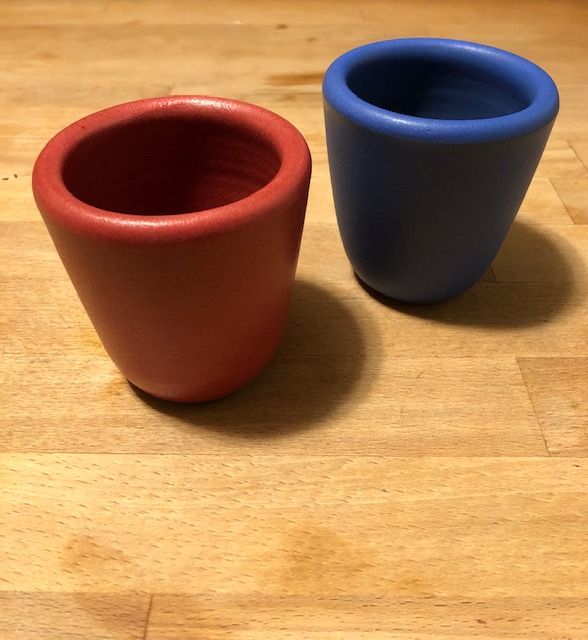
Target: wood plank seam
[
  {"x": 533, "y": 407},
  {"x": 563, "y": 202},
  {"x": 577, "y": 154},
  {"x": 147, "y": 618}
]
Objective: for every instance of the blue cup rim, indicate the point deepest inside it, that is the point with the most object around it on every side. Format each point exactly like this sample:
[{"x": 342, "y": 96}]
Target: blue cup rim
[{"x": 532, "y": 79}]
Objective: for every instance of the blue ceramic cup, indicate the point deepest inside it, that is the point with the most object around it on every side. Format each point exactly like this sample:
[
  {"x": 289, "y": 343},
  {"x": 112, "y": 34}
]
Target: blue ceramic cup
[{"x": 432, "y": 145}]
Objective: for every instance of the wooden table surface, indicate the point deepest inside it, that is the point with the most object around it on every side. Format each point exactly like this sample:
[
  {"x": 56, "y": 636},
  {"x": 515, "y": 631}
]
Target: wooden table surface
[{"x": 397, "y": 472}]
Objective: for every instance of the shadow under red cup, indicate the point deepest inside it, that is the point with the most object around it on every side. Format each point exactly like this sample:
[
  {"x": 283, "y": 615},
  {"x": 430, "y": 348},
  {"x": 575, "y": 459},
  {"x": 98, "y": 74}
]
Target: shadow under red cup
[{"x": 179, "y": 222}]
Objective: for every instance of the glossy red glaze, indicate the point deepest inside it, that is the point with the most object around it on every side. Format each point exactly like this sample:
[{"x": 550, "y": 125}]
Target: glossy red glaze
[{"x": 179, "y": 222}]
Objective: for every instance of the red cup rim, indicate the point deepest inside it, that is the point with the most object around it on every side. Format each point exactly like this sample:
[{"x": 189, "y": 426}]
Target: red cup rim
[{"x": 58, "y": 203}]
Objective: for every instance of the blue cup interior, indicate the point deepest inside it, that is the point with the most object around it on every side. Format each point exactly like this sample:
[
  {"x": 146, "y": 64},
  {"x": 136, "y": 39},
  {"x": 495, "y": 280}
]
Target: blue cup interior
[{"x": 437, "y": 89}]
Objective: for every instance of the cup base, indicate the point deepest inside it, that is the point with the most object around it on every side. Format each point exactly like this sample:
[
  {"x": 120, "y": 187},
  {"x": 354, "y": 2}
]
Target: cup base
[
  {"x": 179, "y": 398},
  {"x": 204, "y": 390},
  {"x": 388, "y": 299},
  {"x": 188, "y": 397}
]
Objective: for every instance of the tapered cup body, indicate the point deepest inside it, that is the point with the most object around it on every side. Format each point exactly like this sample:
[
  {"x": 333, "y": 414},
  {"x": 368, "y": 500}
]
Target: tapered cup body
[
  {"x": 432, "y": 145},
  {"x": 179, "y": 221}
]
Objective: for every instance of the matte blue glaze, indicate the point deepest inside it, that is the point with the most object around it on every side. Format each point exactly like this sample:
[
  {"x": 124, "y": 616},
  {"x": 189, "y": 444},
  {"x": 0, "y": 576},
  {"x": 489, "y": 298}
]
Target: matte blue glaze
[{"x": 432, "y": 145}]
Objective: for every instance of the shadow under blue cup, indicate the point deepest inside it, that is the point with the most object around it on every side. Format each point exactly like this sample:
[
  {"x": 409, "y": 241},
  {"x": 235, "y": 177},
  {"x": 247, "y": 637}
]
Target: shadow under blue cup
[{"x": 432, "y": 145}]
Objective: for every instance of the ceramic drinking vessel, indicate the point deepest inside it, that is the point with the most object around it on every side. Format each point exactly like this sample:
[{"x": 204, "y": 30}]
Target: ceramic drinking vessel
[
  {"x": 432, "y": 145},
  {"x": 179, "y": 221}
]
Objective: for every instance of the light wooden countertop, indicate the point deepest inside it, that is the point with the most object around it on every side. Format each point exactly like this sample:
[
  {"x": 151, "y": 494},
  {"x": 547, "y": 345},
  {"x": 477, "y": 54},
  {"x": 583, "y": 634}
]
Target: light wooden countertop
[{"x": 395, "y": 473}]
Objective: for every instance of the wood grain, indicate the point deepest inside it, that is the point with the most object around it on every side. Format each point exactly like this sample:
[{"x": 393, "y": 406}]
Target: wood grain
[
  {"x": 417, "y": 406},
  {"x": 295, "y": 525},
  {"x": 73, "y": 616},
  {"x": 180, "y": 617},
  {"x": 397, "y": 472}
]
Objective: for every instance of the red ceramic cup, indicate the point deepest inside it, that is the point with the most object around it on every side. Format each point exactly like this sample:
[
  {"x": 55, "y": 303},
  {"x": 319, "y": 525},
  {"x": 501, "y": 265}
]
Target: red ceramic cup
[{"x": 179, "y": 221}]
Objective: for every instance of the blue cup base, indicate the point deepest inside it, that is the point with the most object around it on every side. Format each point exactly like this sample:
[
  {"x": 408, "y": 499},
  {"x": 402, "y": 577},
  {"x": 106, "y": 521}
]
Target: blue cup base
[{"x": 418, "y": 300}]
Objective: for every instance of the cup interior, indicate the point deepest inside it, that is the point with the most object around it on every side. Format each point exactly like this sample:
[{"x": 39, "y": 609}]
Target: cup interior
[
  {"x": 425, "y": 87},
  {"x": 169, "y": 164}
]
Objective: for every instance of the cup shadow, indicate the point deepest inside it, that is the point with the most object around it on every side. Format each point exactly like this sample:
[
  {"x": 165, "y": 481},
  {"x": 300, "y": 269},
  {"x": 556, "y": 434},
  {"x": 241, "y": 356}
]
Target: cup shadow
[
  {"x": 511, "y": 301},
  {"x": 320, "y": 364}
]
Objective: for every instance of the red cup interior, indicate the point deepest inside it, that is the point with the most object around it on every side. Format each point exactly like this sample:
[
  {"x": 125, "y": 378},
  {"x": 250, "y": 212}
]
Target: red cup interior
[{"x": 169, "y": 165}]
